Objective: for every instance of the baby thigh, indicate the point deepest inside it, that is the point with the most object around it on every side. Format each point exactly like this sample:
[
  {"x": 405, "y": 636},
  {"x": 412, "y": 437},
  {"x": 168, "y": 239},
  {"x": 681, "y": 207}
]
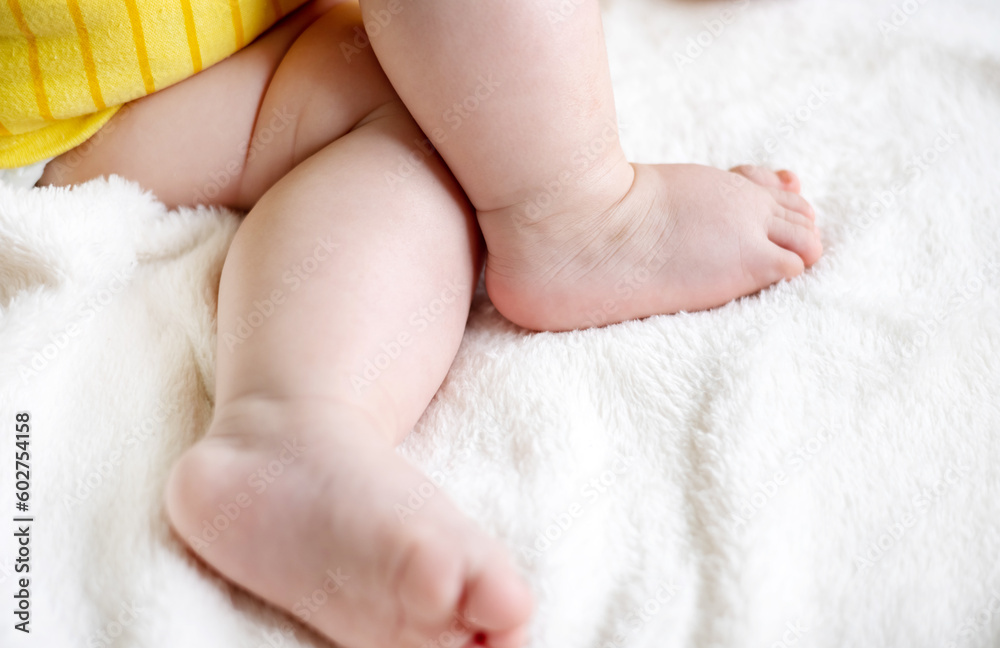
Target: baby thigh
[{"x": 225, "y": 135}]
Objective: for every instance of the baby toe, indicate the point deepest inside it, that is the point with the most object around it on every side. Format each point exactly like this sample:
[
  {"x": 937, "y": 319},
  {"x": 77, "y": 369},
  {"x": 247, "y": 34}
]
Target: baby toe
[
  {"x": 498, "y": 603},
  {"x": 796, "y": 218},
  {"x": 800, "y": 238},
  {"x": 773, "y": 263},
  {"x": 789, "y": 181},
  {"x": 784, "y": 180},
  {"x": 758, "y": 175},
  {"x": 793, "y": 201},
  {"x": 786, "y": 264},
  {"x": 429, "y": 581},
  {"x": 514, "y": 638}
]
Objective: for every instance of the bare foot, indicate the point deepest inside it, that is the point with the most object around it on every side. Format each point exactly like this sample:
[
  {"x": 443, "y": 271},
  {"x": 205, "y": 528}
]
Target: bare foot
[
  {"x": 312, "y": 510},
  {"x": 656, "y": 240}
]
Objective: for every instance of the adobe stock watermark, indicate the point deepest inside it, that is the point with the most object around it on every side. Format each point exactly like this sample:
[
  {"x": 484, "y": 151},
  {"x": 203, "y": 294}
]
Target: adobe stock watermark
[
  {"x": 916, "y": 166},
  {"x": 107, "y": 636},
  {"x": 784, "y": 130},
  {"x": 639, "y": 616},
  {"x": 278, "y": 637},
  {"x": 747, "y": 338},
  {"x": 590, "y": 493},
  {"x": 86, "y": 486},
  {"x": 580, "y": 161},
  {"x": 920, "y": 505},
  {"x": 334, "y": 580},
  {"x": 418, "y": 496},
  {"x": 454, "y": 117},
  {"x": 294, "y": 278},
  {"x": 790, "y": 123},
  {"x": 409, "y": 163},
  {"x": 308, "y": 605},
  {"x": 699, "y": 43},
  {"x": 75, "y": 156},
  {"x": 455, "y": 635},
  {"x": 461, "y": 111},
  {"x": 259, "y": 481},
  {"x": 968, "y": 291},
  {"x": 562, "y": 11},
  {"x": 630, "y": 283},
  {"x": 901, "y": 14},
  {"x": 374, "y": 22},
  {"x": 793, "y": 463},
  {"x": 975, "y": 625},
  {"x": 793, "y": 632},
  {"x": 417, "y": 323},
  {"x": 60, "y": 339},
  {"x": 247, "y": 151}
]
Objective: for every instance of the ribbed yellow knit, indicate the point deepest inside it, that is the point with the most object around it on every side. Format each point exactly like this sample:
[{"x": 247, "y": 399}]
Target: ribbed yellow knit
[{"x": 66, "y": 66}]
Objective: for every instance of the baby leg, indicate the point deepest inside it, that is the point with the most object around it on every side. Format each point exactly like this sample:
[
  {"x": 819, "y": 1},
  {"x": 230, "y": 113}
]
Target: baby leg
[
  {"x": 336, "y": 376},
  {"x": 338, "y": 268},
  {"x": 517, "y": 98}
]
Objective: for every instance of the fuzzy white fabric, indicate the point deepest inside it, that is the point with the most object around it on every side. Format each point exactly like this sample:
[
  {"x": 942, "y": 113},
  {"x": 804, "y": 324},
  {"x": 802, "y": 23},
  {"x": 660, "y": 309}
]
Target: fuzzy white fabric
[{"x": 814, "y": 465}]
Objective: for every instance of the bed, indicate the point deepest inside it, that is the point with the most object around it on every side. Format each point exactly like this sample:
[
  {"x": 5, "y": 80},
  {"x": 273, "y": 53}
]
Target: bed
[{"x": 815, "y": 465}]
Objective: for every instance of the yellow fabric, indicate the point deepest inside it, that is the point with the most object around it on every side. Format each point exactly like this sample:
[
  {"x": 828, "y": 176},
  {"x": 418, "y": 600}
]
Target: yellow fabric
[{"x": 66, "y": 66}]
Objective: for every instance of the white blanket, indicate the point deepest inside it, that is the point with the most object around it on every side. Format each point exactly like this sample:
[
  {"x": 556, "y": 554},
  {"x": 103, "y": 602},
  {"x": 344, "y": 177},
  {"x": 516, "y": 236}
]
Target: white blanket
[{"x": 812, "y": 466}]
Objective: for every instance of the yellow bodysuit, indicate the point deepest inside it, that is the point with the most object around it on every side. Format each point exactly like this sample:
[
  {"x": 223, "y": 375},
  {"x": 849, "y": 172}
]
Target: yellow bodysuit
[{"x": 66, "y": 66}]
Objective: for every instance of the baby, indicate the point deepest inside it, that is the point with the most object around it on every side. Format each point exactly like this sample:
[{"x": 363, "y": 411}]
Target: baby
[{"x": 375, "y": 148}]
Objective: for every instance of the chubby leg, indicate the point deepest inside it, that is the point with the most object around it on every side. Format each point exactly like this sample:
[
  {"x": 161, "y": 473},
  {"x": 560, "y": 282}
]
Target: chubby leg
[
  {"x": 364, "y": 292},
  {"x": 517, "y": 98},
  {"x": 342, "y": 303},
  {"x": 350, "y": 264}
]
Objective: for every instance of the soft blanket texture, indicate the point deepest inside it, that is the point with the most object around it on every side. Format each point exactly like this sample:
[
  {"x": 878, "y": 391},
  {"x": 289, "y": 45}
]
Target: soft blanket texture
[{"x": 811, "y": 466}]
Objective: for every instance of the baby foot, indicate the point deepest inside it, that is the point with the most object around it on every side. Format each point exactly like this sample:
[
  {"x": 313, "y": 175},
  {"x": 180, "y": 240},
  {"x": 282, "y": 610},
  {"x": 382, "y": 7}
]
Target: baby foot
[
  {"x": 680, "y": 237},
  {"x": 315, "y": 513}
]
